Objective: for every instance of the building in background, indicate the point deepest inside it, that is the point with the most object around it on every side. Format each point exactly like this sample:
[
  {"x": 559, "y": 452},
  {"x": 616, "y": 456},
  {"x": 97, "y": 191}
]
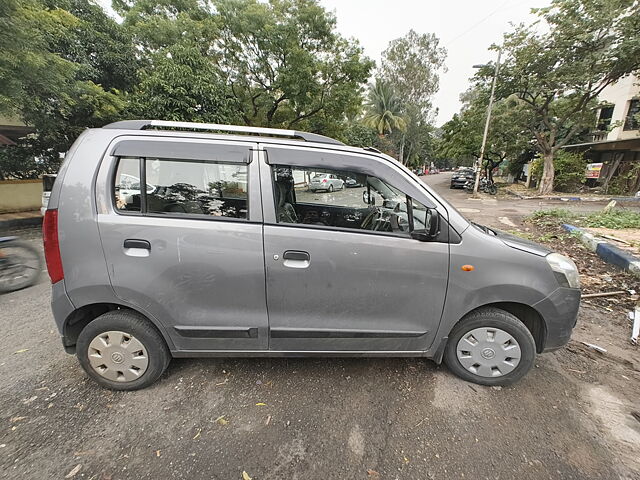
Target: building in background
[
  {"x": 11, "y": 129},
  {"x": 614, "y": 151}
]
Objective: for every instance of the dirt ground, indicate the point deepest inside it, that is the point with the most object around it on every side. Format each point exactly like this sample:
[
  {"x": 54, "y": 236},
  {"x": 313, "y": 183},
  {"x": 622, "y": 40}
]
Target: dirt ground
[{"x": 571, "y": 417}]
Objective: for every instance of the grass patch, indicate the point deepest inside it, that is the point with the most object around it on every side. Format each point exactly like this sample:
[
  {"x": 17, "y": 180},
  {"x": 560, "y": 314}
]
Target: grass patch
[
  {"x": 615, "y": 219},
  {"x": 552, "y": 214}
]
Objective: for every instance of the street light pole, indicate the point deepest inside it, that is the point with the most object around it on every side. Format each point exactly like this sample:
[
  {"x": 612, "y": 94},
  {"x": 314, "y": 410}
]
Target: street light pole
[{"x": 486, "y": 125}]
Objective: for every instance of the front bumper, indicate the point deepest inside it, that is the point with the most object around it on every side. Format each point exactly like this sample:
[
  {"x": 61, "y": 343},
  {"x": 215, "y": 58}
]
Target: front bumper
[{"x": 560, "y": 313}]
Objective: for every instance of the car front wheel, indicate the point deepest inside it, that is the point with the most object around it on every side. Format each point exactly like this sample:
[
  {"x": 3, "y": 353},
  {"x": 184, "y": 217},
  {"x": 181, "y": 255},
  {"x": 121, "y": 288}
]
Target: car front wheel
[
  {"x": 122, "y": 350},
  {"x": 490, "y": 347}
]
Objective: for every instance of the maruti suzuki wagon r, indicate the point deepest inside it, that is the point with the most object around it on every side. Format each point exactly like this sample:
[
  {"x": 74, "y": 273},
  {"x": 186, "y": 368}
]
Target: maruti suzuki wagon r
[{"x": 170, "y": 239}]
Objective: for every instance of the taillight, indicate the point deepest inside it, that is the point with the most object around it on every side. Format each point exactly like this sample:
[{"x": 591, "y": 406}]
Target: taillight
[{"x": 52, "y": 246}]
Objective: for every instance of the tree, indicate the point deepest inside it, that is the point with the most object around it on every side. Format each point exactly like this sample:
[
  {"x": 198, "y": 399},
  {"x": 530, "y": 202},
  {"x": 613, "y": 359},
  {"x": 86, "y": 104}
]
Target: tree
[
  {"x": 64, "y": 49},
  {"x": 287, "y": 65},
  {"x": 507, "y": 138},
  {"x": 184, "y": 85},
  {"x": 410, "y": 65},
  {"x": 558, "y": 69},
  {"x": 383, "y": 110}
]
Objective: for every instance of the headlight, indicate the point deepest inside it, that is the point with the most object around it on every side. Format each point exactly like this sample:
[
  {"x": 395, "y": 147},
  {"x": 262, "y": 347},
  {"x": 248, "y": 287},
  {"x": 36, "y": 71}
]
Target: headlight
[{"x": 565, "y": 270}]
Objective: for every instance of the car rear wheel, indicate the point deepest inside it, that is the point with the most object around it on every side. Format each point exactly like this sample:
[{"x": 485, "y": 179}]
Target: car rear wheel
[
  {"x": 122, "y": 350},
  {"x": 330, "y": 188},
  {"x": 490, "y": 347}
]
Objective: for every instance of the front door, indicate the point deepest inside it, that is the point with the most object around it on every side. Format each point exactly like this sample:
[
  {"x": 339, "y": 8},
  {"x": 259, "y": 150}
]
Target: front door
[
  {"x": 187, "y": 248},
  {"x": 343, "y": 273}
]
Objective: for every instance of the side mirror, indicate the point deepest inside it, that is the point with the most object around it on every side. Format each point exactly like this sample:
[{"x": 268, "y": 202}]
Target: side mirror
[{"x": 432, "y": 227}]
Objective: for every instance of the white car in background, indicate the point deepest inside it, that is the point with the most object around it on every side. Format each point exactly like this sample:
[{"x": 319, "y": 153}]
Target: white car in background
[{"x": 325, "y": 181}]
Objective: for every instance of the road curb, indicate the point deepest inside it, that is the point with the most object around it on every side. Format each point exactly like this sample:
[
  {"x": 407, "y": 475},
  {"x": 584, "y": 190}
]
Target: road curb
[
  {"x": 574, "y": 199},
  {"x": 606, "y": 251},
  {"x": 20, "y": 222}
]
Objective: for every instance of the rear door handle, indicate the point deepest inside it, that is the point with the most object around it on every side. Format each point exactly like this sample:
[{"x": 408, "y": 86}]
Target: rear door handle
[
  {"x": 134, "y": 247},
  {"x": 135, "y": 243},
  {"x": 296, "y": 259}
]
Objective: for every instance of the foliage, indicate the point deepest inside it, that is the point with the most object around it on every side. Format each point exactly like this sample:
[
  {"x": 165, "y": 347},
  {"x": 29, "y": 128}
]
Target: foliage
[
  {"x": 287, "y": 65},
  {"x": 615, "y": 219},
  {"x": 384, "y": 110},
  {"x": 69, "y": 46},
  {"x": 358, "y": 135},
  {"x": 184, "y": 86},
  {"x": 507, "y": 138},
  {"x": 558, "y": 66},
  {"x": 410, "y": 65},
  {"x": 570, "y": 170}
]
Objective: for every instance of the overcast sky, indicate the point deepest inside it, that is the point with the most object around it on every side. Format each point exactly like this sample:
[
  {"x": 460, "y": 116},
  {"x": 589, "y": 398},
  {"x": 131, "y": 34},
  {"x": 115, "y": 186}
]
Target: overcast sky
[{"x": 466, "y": 28}]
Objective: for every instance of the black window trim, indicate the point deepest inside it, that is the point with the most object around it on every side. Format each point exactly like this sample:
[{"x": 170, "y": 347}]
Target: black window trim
[{"x": 176, "y": 215}]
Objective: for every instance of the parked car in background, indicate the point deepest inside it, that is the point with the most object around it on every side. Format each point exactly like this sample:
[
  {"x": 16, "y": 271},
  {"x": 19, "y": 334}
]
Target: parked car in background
[
  {"x": 351, "y": 182},
  {"x": 205, "y": 265},
  {"x": 460, "y": 177},
  {"x": 326, "y": 181},
  {"x": 47, "y": 184}
]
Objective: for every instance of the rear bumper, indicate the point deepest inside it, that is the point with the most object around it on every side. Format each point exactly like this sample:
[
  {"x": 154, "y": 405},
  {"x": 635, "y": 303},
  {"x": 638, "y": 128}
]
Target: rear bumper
[{"x": 560, "y": 313}]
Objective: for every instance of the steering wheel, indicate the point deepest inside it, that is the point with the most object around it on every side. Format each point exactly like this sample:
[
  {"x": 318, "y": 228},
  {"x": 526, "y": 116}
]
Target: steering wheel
[{"x": 371, "y": 219}]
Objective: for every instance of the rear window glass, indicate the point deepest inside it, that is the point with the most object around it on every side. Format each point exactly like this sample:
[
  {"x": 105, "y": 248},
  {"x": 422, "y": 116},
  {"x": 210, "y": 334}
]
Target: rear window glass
[
  {"x": 182, "y": 187},
  {"x": 197, "y": 188}
]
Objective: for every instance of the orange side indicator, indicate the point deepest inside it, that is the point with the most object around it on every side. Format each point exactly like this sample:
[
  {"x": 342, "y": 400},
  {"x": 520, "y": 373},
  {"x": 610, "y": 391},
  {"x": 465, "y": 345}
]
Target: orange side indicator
[{"x": 468, "y": 268}]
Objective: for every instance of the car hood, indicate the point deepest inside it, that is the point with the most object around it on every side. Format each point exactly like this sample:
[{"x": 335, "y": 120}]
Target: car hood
[{"x": 518, "y": 243}]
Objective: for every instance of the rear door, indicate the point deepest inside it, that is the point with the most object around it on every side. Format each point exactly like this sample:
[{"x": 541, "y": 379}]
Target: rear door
[
  {"x": 343, "y": 274},
  {"x": 187, "y": 249}
]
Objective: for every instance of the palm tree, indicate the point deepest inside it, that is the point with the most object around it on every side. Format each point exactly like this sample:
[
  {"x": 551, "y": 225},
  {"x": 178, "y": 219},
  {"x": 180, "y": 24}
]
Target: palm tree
[{"x": 383, "y": 110}]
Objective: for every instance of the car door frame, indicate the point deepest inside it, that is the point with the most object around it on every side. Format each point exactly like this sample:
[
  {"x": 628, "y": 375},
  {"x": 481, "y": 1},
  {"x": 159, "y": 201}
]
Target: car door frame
[
  {"x": 361, "y": 163},
  {"x": 104, "y": 190}
]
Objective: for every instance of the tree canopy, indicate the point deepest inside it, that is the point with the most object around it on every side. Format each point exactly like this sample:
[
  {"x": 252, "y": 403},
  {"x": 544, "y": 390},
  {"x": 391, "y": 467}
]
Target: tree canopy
[{"x": 558, "y": 66}]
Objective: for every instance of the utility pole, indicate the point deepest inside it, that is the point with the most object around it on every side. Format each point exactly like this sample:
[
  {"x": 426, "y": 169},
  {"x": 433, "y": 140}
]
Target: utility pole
[{"x": 486, "y": 125}]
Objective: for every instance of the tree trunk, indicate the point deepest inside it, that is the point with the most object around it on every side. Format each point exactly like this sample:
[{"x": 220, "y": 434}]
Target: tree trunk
[
  {"x": 402, "y": 150},
  {"x": 548, "y": 173},
  {"x": 611, "y": 171}
]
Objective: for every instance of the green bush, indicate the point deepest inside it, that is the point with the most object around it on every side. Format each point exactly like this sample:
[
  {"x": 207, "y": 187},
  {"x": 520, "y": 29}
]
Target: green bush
[{"x": 569, "y": 170}]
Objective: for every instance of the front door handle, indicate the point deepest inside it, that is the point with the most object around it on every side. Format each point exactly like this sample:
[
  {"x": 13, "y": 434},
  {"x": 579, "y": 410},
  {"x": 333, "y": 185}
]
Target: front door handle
[
  {"x": 296, "y": 259},
  {"x": 134, "y": 247}
]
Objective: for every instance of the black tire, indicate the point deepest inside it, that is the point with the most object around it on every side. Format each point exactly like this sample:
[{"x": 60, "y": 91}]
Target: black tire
[
  {"x": 493, "y": 189},
  {"x": 33, "y": 275},
  {"x": 139, "y": 327},
  {"x": 491, "y": 317},
  {"x": 330, "y": 188}
]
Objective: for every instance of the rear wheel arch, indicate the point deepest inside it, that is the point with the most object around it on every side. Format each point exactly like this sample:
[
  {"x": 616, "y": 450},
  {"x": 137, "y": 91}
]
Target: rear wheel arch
[{"x": 82, "y": 316}]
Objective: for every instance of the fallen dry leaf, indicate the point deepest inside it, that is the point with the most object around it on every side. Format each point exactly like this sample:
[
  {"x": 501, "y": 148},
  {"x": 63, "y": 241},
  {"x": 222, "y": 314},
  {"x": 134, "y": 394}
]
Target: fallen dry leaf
[
  {"x": 260, "y": 404},
  {"x": 73, "y": 472},
  {"x": 221, "y": 420},
  {"x": 245, "y": 476},
  {"x": 373, "y": 474},
  {"x": 22, "y": 350}
]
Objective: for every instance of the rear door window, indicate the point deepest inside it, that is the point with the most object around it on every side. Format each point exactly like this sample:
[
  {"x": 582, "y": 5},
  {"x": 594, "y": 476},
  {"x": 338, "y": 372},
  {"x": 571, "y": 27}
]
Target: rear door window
[{"x": 182, "y": 187}]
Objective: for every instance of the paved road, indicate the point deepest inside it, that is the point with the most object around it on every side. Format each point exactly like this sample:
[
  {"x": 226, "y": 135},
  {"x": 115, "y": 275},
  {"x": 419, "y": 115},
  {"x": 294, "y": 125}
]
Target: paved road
[
  {"x": 321, "y": 418},
  {"x": 493, "y": 210}
]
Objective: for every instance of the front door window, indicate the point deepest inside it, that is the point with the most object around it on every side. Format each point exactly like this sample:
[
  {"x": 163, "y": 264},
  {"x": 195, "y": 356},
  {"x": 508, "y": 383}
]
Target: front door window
[{"x": 343, "y": 199}]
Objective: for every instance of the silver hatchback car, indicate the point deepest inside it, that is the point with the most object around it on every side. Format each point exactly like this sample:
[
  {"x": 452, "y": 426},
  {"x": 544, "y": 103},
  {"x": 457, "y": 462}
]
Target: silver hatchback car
[{"x": 227, "y": 253}]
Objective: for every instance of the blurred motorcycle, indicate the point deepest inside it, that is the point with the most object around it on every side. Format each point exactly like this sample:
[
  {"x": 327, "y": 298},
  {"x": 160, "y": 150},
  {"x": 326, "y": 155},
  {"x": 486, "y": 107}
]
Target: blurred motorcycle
[
  {"x": 20, "y": 264},
  {"x": 485, "y": 186}
]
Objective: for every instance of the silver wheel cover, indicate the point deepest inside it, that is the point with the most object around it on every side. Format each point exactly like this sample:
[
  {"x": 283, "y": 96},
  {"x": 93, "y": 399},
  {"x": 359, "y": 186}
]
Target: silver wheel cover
[
  {"x": 118, "y": 356},
  {"x": 488, "y": 352}
]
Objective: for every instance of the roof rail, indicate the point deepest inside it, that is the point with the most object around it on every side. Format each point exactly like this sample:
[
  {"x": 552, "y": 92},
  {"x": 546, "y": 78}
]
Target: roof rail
[{"x": 272, "y": 132}]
